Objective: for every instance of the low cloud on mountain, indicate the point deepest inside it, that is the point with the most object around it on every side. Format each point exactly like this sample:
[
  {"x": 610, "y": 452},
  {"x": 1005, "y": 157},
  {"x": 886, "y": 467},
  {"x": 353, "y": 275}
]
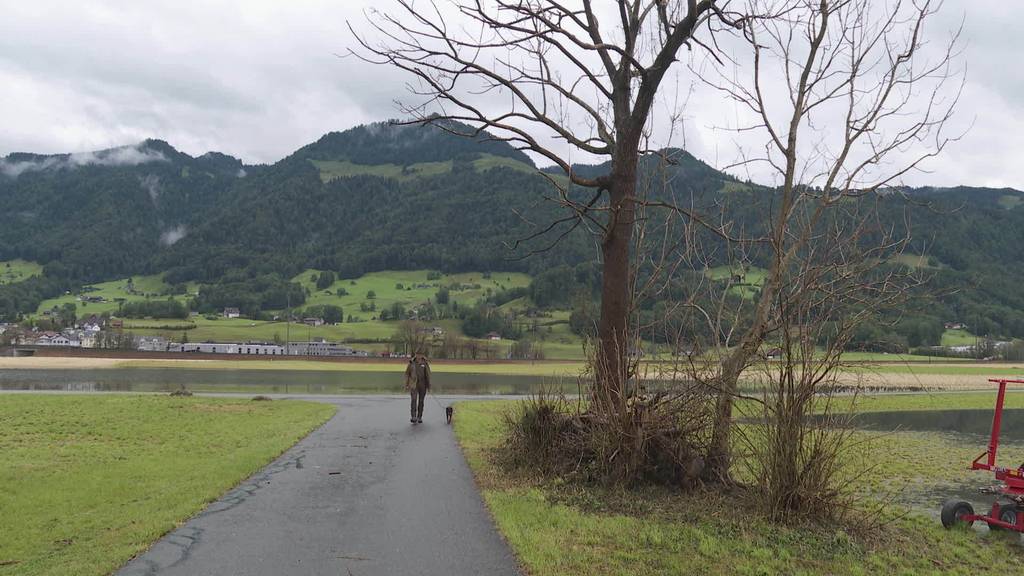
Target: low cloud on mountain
[{"x": 123, "y": 156}]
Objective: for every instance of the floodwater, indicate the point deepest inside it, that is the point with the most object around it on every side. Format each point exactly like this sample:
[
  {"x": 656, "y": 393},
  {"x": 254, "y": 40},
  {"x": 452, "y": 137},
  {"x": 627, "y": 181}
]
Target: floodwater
[
  {"x": 971, "y": 427},
  {"x": 961, "y": 422},
  {"x": 265, "y": 381}
]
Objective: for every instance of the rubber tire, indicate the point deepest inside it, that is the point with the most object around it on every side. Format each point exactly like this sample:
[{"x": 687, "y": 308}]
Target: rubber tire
[
  {"x": 1004, "y": 506},
  {"x": 953, "y": 510}
]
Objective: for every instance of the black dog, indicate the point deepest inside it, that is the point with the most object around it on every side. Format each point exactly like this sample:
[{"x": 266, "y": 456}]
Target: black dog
[{"x": 448, "y": 412}]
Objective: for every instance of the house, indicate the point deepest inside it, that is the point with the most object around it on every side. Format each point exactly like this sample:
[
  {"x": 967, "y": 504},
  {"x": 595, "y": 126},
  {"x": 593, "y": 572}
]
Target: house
[
  {"x": 54, "y": 339},
  {"x": 493, "y": 336},
  {"x": 955, "y": 326},
  {"x": 313, "y": 321},
  {"x": 93, "y": 324},
  {"x": 152, "y": 344},
  {"x": 435, "y": 331},
  {"x": 232, "y": 313},
  {"x": 773, "y": 354},
  {"x": 116, "y": 323}
]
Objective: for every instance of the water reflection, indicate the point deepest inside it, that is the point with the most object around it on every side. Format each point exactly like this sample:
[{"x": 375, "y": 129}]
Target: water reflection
[
  {"x": 970, "y": 422},
  {"x": 266, "y": 381}
]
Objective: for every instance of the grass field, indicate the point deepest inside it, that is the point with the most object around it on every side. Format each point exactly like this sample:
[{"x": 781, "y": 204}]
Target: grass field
[
  {"x": 144, "y": 288},
  {"x": 958, "y": 338},
  {"x": 415, "y": 289},
  {"x": 408, "y": 288},
  {"x": 1010, "y": 201},
  {"x": 90, "y": 481},
  {"x": 12, "y": 271},
  {"x": 952, "y": 369},
  {"x": 752, "y": 277},
  {"x": 559, "y": 529},
  {"x": 331, "y": 169},
  {"x": 913, "y": 260}
]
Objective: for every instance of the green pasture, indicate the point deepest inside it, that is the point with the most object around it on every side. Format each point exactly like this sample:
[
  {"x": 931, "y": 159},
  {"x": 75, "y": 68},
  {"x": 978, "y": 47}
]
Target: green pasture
[
  {"x": 331, "y": 169},
  {"x": 12, "y": 271},
  {"x": 958, "y": 338},
  {"x": 416, "y": 289},
  {"x": 90, "y": 481},
  {"x": 150, "y": 287}
]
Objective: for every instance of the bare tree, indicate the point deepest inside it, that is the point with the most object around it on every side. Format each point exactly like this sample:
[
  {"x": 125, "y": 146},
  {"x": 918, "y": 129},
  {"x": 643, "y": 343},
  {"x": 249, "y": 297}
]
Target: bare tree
[
  {"x": 857, "y": 102},
  {"x": 587, "y": 76},
  {"x": 411, "y": 338}
]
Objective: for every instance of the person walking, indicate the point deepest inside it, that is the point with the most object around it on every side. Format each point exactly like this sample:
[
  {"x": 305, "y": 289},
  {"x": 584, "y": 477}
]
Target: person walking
[{"x": 417, "y": 382}]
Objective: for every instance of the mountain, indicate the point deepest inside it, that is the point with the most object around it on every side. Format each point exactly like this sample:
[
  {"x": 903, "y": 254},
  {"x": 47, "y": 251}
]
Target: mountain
[
  {"x": 383, "y": 196},
  {"x": 91, "y": 216}
]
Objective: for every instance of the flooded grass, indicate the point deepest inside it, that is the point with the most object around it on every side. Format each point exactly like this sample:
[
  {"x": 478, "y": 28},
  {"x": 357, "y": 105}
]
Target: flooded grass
[
  {"x": 89, "y": 481},
  {"x": 559, "y": 530}
]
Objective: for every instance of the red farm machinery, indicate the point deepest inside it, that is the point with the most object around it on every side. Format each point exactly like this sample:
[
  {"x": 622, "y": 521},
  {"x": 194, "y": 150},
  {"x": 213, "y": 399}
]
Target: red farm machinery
[{"x": 1007, "y": 512}]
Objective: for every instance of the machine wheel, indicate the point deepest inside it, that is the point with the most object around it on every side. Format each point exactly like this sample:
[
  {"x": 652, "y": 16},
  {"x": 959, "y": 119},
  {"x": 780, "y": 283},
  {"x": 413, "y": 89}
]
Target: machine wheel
[
  {"x": 953, "y": 512},
  {"x": 1007, "y": 513}
]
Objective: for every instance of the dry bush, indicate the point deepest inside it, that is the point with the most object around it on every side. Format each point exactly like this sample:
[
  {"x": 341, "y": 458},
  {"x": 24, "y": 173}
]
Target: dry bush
[
  {"x": 649, "y": 437},
  {"x": 535, "y": 431}
]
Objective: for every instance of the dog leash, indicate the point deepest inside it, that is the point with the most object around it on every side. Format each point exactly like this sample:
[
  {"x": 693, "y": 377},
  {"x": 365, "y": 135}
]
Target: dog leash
[{"x": 432, "y": 395}]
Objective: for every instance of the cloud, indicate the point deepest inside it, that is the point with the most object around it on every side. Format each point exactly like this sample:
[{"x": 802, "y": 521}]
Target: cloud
[
  {"x": 172, "y": 235},
  {"x": 151, "y": 184},
  {"x": 123, "y": 156},
  {"x": 258, "y": 80}
]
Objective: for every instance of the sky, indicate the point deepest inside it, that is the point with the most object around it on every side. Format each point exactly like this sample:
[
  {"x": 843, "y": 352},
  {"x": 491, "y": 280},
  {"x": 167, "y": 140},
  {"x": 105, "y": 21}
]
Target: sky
[{"x": 258, "y": 80}]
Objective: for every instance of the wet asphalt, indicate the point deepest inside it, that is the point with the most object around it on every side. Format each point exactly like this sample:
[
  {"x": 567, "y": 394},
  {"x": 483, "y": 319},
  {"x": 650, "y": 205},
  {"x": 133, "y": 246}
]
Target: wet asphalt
[{"x": 368, "y": 493}]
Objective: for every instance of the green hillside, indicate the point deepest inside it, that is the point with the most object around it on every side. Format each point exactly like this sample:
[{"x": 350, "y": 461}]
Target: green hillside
[
  {"x": 408, "y": 288},
  {"x": 12, "y": 271},
  {"x": 362, "y": 326},
  {"x": 332, "y": 169},
  {"x": 381, "y": 197}
]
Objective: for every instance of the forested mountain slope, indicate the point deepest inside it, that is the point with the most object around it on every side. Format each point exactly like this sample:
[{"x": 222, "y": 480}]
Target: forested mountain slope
[{"x": 381, "y": 197}]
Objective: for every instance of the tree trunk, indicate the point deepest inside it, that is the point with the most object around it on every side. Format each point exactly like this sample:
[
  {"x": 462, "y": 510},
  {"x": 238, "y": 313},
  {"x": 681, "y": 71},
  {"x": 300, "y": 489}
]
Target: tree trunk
[
  {"x": 616, "y": 299},
  {"x": 718, "y": 460}
]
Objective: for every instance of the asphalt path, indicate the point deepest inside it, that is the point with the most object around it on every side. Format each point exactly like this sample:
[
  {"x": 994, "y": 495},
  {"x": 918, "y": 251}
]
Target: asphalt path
[{"x": 367, "y": 493}]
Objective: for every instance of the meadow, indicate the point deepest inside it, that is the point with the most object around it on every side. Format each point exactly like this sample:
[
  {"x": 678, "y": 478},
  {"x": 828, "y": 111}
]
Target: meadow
[
  {"x": 365, "y": 330},
  {"x": 90, "y": 481},
  {"x": 559, "y": 528},
  {"x": 331, "y": 169},
  {"x": 12, "y": 271}
]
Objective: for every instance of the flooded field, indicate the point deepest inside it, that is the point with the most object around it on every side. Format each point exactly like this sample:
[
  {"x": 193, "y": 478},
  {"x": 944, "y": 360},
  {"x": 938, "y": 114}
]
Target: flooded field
[
  {"x": 930, "y": 452},
  {"x": 262, "y": 381},
  {"x": 977, "y": 423}
]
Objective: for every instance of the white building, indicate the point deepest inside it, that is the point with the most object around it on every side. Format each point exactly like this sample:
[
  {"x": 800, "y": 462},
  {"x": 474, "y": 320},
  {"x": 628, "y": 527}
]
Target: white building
[
  {"x": 50, "y": 339},
  {"x": 319, "y": 349},
  {"x": 152, "y": 344},
  {"x": 228, "y": 348}
]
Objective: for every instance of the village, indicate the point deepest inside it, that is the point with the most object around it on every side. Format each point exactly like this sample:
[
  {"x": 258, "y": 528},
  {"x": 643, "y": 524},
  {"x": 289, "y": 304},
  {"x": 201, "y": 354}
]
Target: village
[{"x": 108, "y": 332}]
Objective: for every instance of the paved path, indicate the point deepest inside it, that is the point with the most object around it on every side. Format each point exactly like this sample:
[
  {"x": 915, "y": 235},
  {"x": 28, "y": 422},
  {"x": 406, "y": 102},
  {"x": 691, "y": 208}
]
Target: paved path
[{"x": 366, "y": 494}]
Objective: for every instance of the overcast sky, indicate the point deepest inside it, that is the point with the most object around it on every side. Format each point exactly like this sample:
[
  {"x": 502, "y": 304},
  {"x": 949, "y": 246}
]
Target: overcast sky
[{"x": 259, "y": 79}]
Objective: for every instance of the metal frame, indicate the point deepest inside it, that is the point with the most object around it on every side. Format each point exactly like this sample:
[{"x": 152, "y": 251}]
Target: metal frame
[{"x": 1012, "y": 479}]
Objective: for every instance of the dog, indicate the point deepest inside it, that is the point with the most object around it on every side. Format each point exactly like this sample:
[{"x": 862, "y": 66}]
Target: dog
[{"x": 449, "y": 411}]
